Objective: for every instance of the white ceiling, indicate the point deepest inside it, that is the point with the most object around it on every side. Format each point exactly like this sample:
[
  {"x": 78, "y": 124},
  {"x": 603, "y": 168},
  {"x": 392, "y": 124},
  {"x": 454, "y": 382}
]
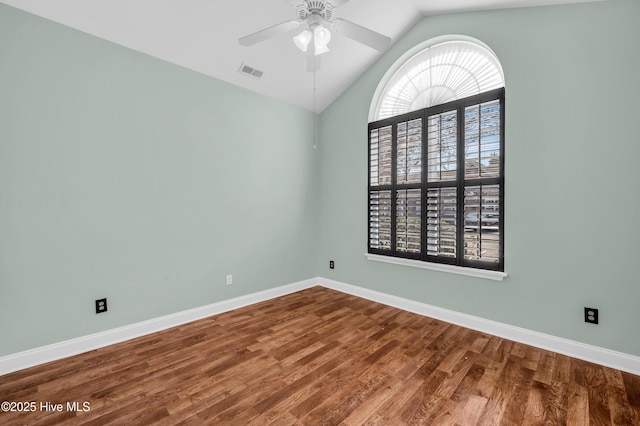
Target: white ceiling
[{"x": 202, "y": 35}]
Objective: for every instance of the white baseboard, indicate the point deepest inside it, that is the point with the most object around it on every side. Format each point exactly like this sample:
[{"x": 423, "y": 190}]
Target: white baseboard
[
  {"x": 41, "y": 355},
  {"x": 595, "y": 354}
]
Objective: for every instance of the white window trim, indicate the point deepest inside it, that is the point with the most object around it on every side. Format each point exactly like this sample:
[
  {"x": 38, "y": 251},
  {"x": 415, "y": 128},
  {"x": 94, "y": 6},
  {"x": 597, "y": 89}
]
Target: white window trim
[{"x": 471, "y": 272}]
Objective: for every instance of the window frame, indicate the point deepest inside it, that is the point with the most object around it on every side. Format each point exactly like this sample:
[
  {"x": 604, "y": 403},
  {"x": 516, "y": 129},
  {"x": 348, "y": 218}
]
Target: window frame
[{"x": 460, "y": 182}]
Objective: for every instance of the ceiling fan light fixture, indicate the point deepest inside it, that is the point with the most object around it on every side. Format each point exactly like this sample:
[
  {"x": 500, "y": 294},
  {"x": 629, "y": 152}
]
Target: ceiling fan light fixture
[
  {"x": 321, "y": 38},
  {"x": 302, "y": 40},
  {"x": 320, "y": 50}
]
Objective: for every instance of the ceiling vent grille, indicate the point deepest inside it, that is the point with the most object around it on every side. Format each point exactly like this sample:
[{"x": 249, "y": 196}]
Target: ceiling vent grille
[{"x": 246, "y": 69}]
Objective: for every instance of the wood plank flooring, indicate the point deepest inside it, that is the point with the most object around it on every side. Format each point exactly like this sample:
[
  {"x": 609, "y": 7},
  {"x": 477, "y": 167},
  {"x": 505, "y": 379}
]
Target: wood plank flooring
[{"x": 323, "y": 357}]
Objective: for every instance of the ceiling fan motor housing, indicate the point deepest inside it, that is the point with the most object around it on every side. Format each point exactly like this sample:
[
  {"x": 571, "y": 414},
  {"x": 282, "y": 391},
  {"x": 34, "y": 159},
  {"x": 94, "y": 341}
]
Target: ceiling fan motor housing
[{"x": 315, "y": 10}]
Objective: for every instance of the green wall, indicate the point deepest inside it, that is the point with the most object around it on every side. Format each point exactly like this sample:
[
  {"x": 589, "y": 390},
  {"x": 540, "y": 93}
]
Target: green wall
[
  {"x": 572, "y": 197},
  {"x": 123, "y": 176}
]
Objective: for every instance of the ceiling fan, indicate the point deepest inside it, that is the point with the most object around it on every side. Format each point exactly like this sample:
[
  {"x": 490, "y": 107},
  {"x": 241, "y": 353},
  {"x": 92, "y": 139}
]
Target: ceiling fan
[{"x": 316, "y": 16}]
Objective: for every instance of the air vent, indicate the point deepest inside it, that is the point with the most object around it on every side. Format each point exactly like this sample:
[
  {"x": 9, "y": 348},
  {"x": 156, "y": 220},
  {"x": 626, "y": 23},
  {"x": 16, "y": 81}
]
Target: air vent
[{"x": 245, "y": 69}]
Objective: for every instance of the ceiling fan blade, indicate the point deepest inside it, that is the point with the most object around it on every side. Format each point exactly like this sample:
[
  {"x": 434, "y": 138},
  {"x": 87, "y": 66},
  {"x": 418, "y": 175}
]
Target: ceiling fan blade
[
  {"x": 268, "y": 33},
  {"x": 361, "y": 34},
  {"x": 337, "y": 3}
]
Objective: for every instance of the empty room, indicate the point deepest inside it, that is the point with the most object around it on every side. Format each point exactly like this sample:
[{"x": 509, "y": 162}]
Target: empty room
[{"x": 283, "y": 212}]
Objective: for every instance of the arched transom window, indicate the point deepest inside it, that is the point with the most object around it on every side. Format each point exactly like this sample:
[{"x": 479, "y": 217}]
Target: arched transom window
[{"x": 438, "y": 74}]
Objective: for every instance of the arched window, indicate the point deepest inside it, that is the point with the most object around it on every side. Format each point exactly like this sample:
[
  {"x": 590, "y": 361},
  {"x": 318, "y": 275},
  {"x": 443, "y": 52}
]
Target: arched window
[
  {"x": 437, "y": 74},
  {"x": 436, "y": 159}
]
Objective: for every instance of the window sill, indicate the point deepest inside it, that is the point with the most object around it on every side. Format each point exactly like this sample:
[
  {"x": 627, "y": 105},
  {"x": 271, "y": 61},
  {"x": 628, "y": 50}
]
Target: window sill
[{"x": 471, "y": 272}]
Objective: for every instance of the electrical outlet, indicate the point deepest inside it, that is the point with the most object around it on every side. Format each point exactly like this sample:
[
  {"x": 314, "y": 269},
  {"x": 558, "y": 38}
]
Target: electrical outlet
[
  {"x": 331, "y": 264},
  {"x": 229, "y": 279},
  {"x": 591, "y": 315},
  {"x": 101, "y": 305}
]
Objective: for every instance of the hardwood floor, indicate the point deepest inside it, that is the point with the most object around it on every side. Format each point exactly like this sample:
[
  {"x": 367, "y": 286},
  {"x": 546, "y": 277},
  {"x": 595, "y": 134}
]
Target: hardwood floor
[{"x": 323, "y": 357}]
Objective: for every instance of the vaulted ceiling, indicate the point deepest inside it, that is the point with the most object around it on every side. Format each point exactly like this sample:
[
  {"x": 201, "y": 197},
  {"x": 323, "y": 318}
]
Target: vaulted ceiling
[{"x": 202, "y": 35}]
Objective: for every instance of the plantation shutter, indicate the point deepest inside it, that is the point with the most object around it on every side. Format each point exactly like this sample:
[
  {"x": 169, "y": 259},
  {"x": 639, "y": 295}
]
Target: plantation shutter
[
  {"x": 380, "y": 167},
  {"x": 436, "y": 183}
]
